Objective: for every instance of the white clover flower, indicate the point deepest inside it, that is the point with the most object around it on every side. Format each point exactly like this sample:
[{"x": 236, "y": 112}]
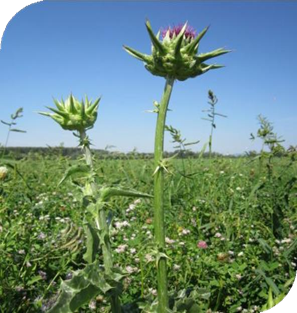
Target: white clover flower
[
  {"x": 286, "y": 240},
  {"x": 121, "y": 248},
  {"x": 92, "y": 305},
  {"x": 149, "y": 258},
  {"x": 176, "y": 267},
  {"x": 240, "y": 253},
  {"x": 131, "y": 269},
  {"x": 238, "y": 276},
  {"x": 218, "y": 235},
  {"x": 132, "y": 250},
  {"x": 153, "y": 291},
  {"x": 169, "y": 241},
  {"x": 120, "y": 225},
  {"x": 41, "y": 236},
  {"x": 3, "y": 172},
  {"x": 185, "y": 232}
]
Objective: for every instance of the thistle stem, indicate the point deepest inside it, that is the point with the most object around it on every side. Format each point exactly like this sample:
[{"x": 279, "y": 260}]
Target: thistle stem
[
  {"x": 159, "y": 197},
  {"x": 101, "y": 224}
]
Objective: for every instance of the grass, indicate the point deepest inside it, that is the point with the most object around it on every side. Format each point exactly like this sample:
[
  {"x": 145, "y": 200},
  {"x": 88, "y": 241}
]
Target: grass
[{"x": 247, "y": 219}]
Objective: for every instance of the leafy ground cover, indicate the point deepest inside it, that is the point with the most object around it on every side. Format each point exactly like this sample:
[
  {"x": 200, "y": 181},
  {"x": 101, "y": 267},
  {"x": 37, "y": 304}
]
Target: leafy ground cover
[{"x": 231, "y": 232}]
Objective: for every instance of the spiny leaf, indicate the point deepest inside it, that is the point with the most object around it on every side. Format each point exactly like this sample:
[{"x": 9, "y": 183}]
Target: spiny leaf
[
  {"x": 92, "y": 243},
  {"x": 84, "y": 285},
  {"x": 72, "y": 108},
  {"x": 209, "y": 55},
  {"x": 79, "y": 169},
  {"x": 179, "y": 40},
  {"x": 58, "y": 105},
  {"x": 62, "y": 113},
  {"x": 157, "y": 44},
  {"x": 194, "y": 44},
  {"x": 93, "y": 106},
  {"x": 136, "y": 54},
  {"x": 205, "y": 68}
]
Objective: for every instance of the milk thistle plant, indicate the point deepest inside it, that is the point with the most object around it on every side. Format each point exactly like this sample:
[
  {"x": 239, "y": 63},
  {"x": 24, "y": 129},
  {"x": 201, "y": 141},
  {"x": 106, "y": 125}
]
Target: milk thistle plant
[
  {"x": 173, "y": 57},
  {"x": 80, "y": 116}
]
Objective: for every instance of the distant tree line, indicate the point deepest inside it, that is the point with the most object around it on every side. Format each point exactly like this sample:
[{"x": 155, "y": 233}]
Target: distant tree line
[
  {"x": 73, "y": 153},
  {"x": 18, "y": 153}
]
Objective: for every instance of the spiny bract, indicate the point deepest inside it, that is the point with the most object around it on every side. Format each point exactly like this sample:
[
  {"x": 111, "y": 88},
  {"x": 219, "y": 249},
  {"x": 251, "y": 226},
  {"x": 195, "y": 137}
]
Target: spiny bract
[
  {"x": 73, "y": 114},
  {"x": 176, "y": 55}
]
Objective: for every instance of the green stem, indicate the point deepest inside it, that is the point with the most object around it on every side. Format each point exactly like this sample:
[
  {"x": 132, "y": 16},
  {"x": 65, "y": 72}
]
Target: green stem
[
  {"x": 101, "y": 225},
  {"x": 158, "y": 197},
  {"x": 211, "y": 131},
  {"x": 6, "y": 141}
]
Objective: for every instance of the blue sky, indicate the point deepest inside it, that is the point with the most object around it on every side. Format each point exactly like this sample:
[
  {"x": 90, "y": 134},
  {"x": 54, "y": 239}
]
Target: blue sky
[{"x": 51, "y": 49}]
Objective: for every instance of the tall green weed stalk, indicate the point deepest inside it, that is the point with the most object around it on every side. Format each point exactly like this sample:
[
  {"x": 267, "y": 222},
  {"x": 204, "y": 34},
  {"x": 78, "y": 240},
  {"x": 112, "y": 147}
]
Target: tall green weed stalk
[
  {"x": 80, "y": 116},
  {"x": 174, "y": 57},
  {"x": 211, "y": 115}
]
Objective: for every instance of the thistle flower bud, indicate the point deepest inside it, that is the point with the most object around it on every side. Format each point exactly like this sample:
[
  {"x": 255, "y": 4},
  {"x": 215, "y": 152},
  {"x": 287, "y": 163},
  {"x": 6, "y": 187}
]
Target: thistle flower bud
[
  {"x": 73, "y": 114},
  {"x": 175, "y": 55},
  {"x": 3, "y": 172}
]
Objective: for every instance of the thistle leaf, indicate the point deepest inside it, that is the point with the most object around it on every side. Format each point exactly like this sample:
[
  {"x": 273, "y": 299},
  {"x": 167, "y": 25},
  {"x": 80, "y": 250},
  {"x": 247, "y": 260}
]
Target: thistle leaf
[
  {"x": 92, "y": 243},
  {"x": 84, "y": 285},
  {"x": 79, "y": 169}
]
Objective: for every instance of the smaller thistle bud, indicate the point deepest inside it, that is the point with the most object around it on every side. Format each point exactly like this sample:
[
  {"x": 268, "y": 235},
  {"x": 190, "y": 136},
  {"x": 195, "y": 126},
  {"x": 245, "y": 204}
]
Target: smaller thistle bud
[
  {"x": 3, "y": 172},
  {"x": 74, "y": 114},
  {"x": 175, "y": 55}
]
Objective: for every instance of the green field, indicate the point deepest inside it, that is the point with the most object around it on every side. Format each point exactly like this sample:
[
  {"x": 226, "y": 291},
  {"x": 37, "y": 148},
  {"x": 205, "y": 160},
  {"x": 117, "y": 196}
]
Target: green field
[{"x": 231, "y": 231}]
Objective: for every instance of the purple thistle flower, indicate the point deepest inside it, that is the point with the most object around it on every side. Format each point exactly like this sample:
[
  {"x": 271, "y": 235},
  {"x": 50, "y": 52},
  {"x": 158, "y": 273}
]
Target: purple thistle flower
[{"x": 175, "y": 30}]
